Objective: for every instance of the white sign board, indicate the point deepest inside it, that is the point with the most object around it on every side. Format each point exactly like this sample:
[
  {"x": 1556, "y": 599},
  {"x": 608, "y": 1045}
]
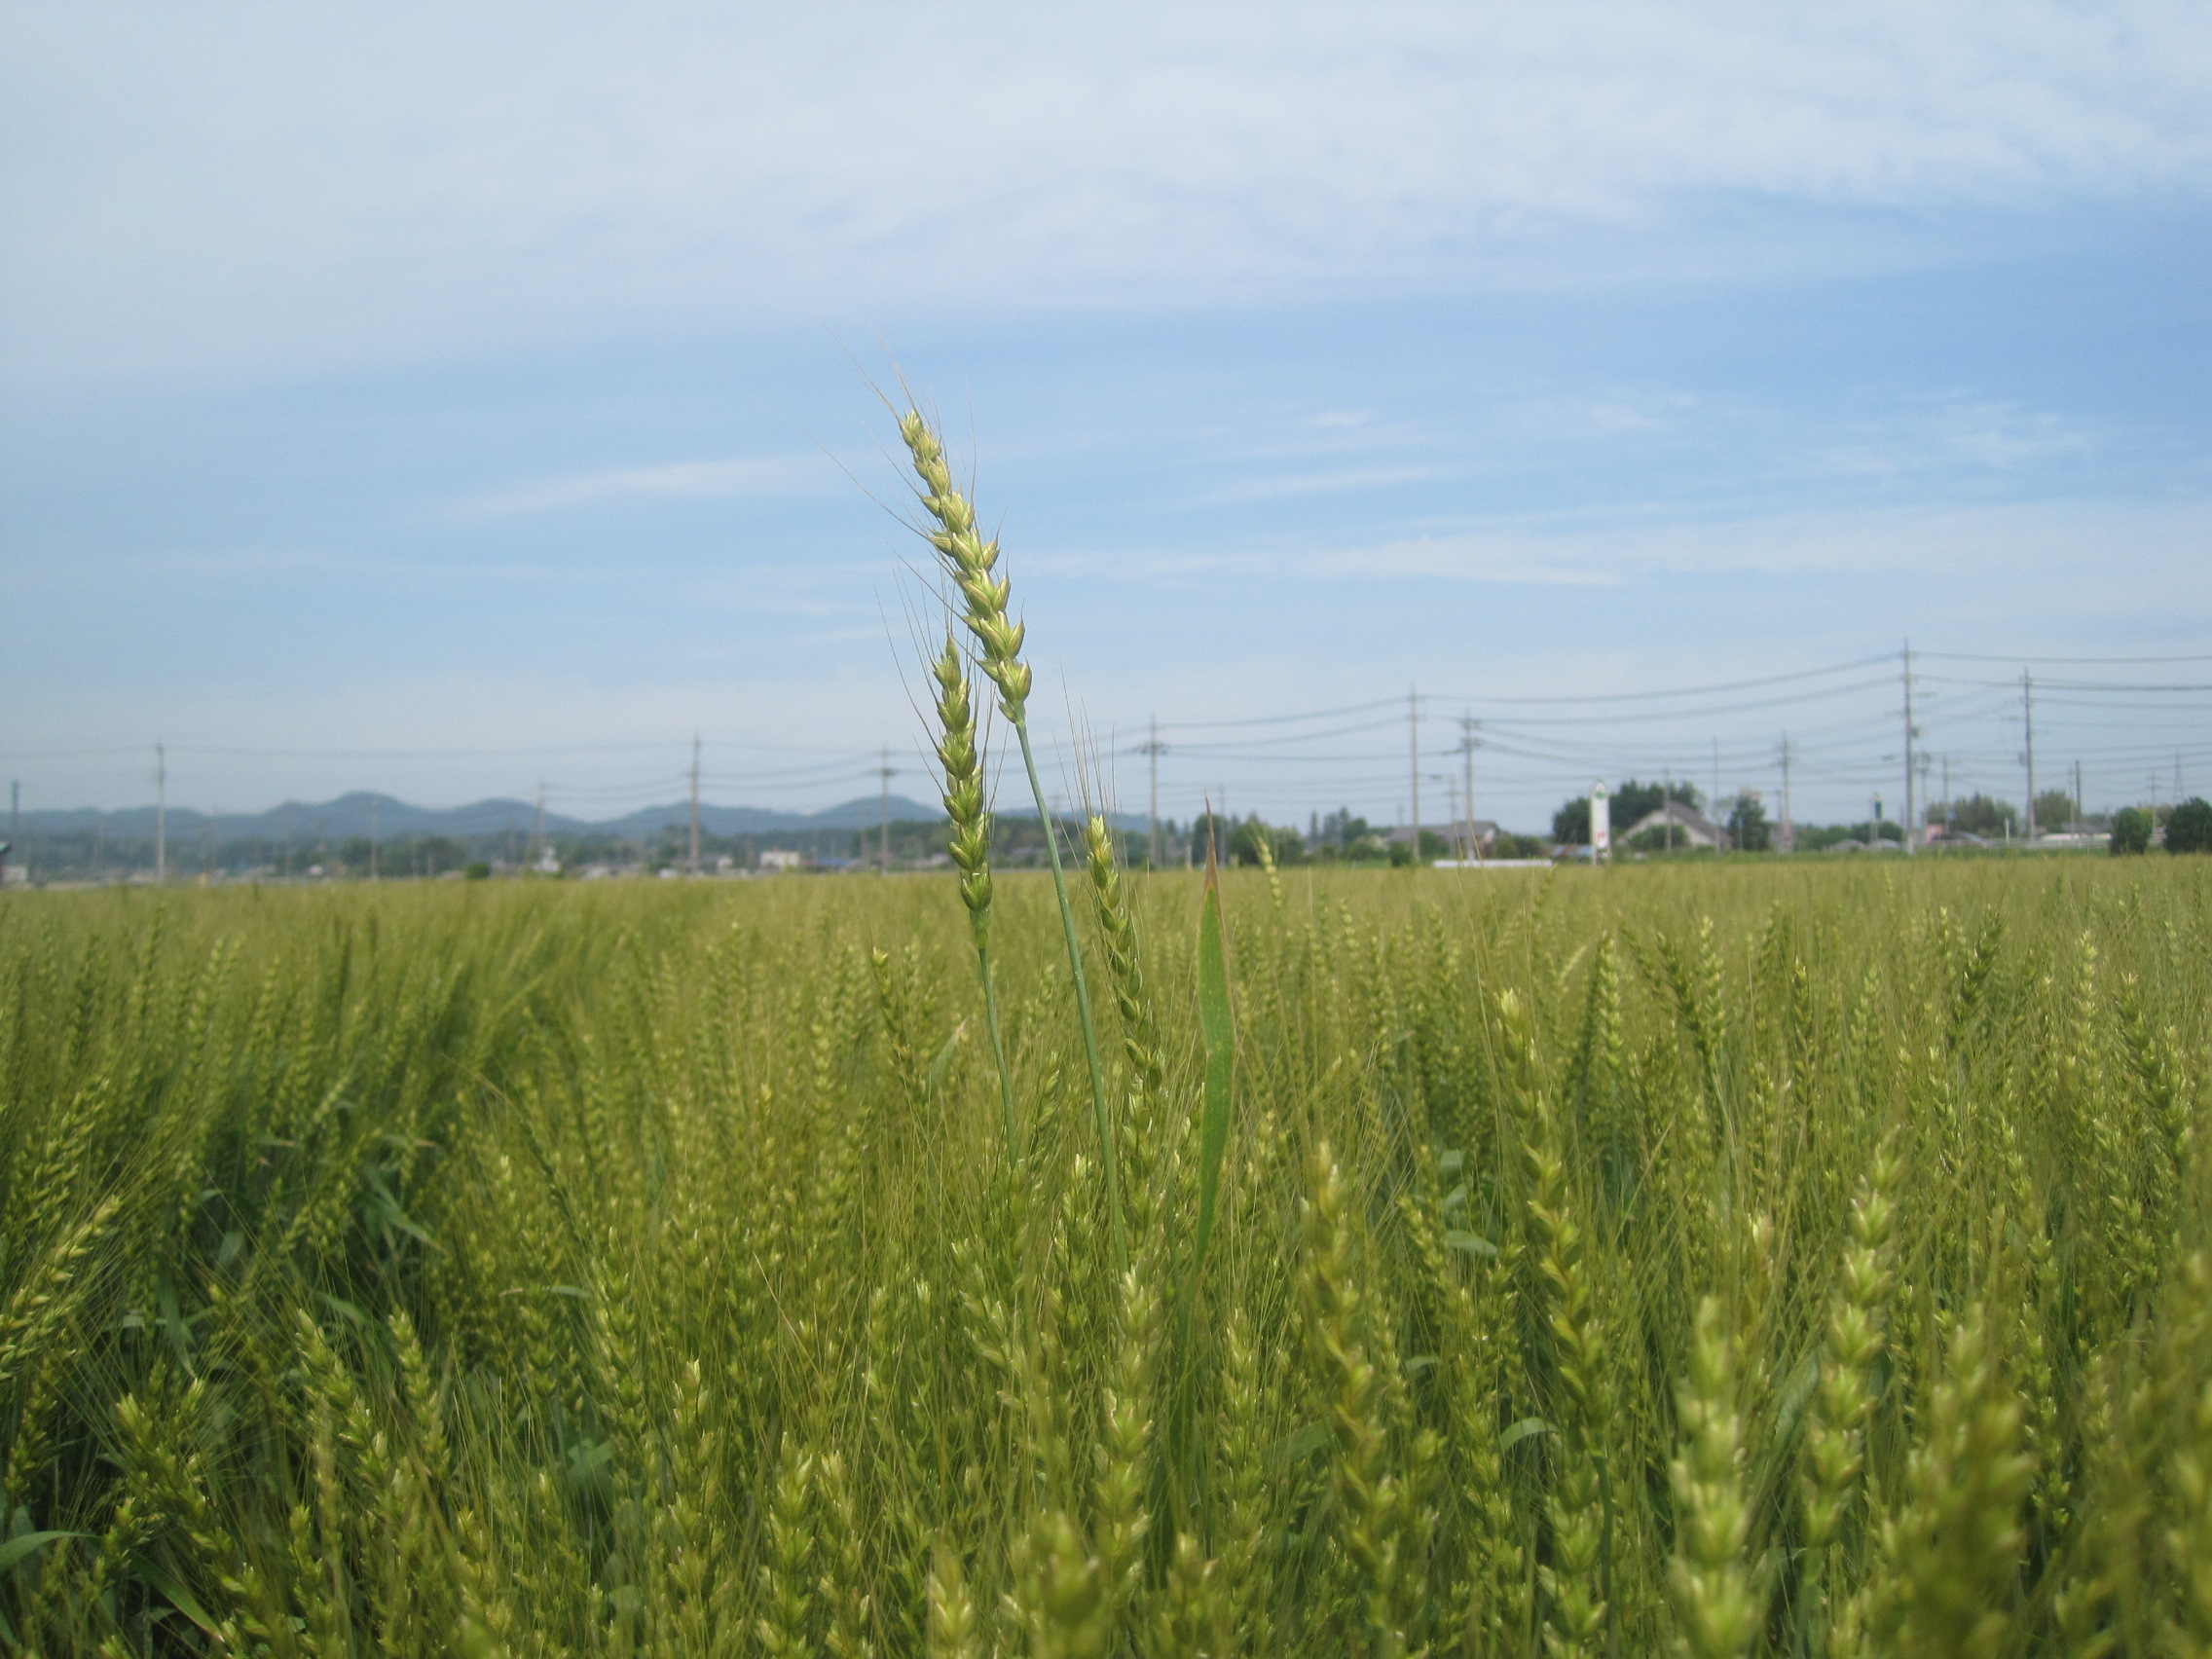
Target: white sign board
[{"x": 1601, "y": 821}]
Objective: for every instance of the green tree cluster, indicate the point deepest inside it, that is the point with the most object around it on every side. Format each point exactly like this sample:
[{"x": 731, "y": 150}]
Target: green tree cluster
[
  {"x": 2054, "y": 809},
  {"x": 1282, "y": 846},
  {"x": 2188, "y": 826},
  {"x": 1978, "y": 815},
  {"x": 1748, "y": 828}
]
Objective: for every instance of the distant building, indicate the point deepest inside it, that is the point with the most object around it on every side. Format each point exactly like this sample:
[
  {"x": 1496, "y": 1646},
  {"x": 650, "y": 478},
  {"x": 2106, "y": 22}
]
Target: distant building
[
  {"x": 1692, "y": 828},
  {"x": 779, "y": 859}
]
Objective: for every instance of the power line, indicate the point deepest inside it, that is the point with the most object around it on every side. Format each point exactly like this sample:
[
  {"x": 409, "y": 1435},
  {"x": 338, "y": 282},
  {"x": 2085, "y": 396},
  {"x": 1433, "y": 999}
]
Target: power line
[
  {"x": 1968, "y": 656},
  {"x": 1696, "y": 690},
  {"x": 1281, "y": 719}
]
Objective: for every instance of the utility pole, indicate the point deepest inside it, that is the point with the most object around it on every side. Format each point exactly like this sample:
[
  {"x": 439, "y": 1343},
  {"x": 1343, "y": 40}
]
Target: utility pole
[
  {"x": 1152, "y": 748},
  {"x": 161, "y": 815},
  {"x": 1911, "y": 731},
  {"x": 539, "y": 846},
  {"x": 2028, "y": 756},
  {"x": 376, "y": 812},
  {"x": 2079, "y": 813},
  {"x": 1413, "y": 729},
  {"x": 883, "y": 848},
  {"x": 694, "y": 803},
  {"x": 1712, "y": 806},
  {"x": 1788, "y": 825},
  {"x": 287, "y": 840}
]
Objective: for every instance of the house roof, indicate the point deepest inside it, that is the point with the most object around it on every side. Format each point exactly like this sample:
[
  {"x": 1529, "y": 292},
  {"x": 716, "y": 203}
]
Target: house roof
[{"x": 1685, "y": 817}]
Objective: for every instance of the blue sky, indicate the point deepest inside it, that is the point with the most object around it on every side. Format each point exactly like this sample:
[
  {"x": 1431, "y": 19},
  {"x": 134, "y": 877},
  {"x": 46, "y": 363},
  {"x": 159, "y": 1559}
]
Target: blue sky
[{"x": 455, "y": 400}]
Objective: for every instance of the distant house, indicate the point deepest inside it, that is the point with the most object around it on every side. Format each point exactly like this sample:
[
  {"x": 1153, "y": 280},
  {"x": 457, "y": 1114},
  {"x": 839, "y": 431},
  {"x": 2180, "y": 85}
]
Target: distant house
[
  {"x": 777, "y": 859},
  {"x": 1692, "y": 828}
]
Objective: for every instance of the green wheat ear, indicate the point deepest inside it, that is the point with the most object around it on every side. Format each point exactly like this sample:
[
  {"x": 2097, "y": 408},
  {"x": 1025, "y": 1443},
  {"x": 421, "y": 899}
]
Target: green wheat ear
[
  {"x": 971, "y": 563},
  {"x": 961, "y": 755}
]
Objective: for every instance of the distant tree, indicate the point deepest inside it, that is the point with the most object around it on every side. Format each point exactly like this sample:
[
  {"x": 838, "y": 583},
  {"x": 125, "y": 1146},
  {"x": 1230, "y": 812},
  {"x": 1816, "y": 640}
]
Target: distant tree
[
  {"x": 2188, "y": 826},
  {"x": 1819, "y": 837},
  {"x": 1211, "y": 828},
  {"x": 1286, "y": 846},
  {"x": 2131, "y": 827},
  {"x": 2054, "y": 809},
  {"x": 1981, "y": 815},
  {"x": 1341, "y": 830},
  {"x": 439, "y": 853},
  {"x": 1570, "y": 823},
  {"x": 1748, "y": 828}
]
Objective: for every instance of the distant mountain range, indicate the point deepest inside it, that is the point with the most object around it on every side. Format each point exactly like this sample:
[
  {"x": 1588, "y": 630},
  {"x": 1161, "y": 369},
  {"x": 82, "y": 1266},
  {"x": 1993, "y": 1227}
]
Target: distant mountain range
[{"x": 363, "y": 812}]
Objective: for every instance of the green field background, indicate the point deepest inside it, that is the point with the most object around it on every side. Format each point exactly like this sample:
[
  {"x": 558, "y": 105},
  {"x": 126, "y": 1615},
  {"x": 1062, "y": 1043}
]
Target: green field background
[{"x": 1742, "y": 1259}]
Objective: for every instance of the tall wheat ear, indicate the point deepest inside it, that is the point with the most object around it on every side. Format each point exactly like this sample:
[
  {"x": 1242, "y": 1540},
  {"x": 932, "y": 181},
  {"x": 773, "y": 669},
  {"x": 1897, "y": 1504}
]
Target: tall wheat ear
[{"x": 972, "y": 563}]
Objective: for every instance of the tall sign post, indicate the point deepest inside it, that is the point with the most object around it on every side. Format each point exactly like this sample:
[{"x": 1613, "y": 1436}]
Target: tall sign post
[{"x": 1600, "y": 823}]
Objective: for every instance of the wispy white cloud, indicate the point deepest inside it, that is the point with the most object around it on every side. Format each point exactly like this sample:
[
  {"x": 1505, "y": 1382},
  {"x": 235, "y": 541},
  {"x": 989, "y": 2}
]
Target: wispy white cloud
[
  {"x": 1328, "y": 481},
  {"x": 1650, "y": 543},
  {"x": 243, "y": 180},
  {"x": 1504, "y": 559},
  {"x": 734, "y": 477},
  {"x": 1954, "y": 435},
  {"x": 1342, "y": 452},
  {"x": 1564, "y": 420}
]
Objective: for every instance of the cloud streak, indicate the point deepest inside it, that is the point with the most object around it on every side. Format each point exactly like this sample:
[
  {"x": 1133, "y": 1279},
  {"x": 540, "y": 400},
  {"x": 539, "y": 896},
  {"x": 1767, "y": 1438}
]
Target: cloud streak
[
  {"x": 739, "y": 477},
  {"x": 254, "y": 179},
  {"x": 1654, "y": 542}
]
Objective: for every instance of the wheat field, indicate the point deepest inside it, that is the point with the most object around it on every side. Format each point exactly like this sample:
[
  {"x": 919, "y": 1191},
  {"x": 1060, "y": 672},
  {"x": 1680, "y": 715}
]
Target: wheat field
[{"x": 1739, "y": 1260}]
